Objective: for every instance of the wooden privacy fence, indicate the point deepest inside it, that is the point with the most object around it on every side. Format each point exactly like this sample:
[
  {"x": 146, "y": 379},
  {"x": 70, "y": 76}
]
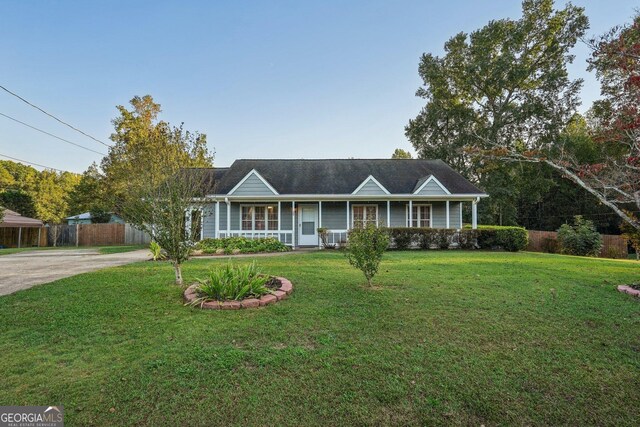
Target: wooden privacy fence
[
  {"x": 547, "y": 241},
  {"x": 96, "y": 235}
]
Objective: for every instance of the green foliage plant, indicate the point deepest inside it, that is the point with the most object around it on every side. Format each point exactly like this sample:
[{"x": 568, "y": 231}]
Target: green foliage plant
[
  {"x": 580, "y": 239},
  {"x": 365, "y": 248},
  {"x": 232, "y": 283}
]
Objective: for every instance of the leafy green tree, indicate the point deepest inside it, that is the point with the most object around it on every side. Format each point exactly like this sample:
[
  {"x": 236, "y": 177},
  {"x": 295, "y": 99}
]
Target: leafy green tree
[
  {"x": 145, "y": 148},
  {"x": 89, "y": 195},
  {"x": 399, "y": 153},
  {"x": 365, "y": 248},
  {"x": 506, "y": 82},
  {"x": 18, "y": 201}
]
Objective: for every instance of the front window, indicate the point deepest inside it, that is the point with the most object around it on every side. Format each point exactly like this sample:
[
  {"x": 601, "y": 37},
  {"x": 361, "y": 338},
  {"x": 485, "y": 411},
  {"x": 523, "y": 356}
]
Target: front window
[
  {"x": 421, "y": 216},
  {"x": 259, "y": 218},
  {"x": 364, "y": 215}
]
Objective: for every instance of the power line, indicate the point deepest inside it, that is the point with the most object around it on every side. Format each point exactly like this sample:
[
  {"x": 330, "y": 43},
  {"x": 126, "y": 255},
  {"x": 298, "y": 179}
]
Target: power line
[
  {"x": 31, "y": 163},
  {"x": 52, "y": 116},
  {"x": 52, "y": 135}
]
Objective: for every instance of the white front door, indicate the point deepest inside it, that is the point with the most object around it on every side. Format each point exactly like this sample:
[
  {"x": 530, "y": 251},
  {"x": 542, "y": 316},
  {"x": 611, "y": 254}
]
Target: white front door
[{"x": 307, "y": 225}]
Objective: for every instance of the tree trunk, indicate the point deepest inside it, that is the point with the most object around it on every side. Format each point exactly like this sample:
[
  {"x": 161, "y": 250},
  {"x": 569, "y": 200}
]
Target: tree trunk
[{"x": 178, "y": 270}]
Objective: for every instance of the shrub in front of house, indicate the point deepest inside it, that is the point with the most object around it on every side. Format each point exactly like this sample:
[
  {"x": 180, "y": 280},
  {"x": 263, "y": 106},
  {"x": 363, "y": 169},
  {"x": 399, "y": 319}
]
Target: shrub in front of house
[
  {"x": 365, "y": 248},
  {"x": 581, "y": 238},
  {"x": 235, "y": 245},
  {"x": 512, "y": 239}
]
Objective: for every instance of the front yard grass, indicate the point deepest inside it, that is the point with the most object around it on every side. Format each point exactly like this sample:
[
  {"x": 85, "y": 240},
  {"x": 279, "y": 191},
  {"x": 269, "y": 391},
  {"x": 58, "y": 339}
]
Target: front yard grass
[{"x": 462, "y": 338}]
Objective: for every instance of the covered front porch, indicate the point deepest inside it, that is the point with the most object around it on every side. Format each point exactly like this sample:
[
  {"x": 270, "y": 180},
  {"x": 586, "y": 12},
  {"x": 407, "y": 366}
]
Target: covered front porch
[{"x": 296, "y": 222}]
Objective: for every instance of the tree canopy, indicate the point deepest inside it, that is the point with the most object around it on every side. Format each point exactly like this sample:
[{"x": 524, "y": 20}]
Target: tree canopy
[
  {"x": 145, "y": 148},
  {"x": 503, "y": 92}
]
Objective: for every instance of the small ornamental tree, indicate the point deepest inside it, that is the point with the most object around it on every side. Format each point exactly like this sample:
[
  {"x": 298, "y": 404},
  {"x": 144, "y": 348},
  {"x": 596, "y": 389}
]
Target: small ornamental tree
[
  {"x": 581, "y": 238},
  {"x": 165, "y": 210},
  {"x": 365, "y": 248}
]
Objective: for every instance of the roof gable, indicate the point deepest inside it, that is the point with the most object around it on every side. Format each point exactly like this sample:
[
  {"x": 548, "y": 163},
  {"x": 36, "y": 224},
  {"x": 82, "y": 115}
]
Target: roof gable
[
  {"x": 430, "y": 186},
  {"x": 253, "y": 184},
  {"x": 370, "y": 187}
]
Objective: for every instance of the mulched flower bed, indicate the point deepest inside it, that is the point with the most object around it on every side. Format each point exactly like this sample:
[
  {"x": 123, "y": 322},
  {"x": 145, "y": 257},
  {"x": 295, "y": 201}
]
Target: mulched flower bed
[{"x": 281, "y": 287}]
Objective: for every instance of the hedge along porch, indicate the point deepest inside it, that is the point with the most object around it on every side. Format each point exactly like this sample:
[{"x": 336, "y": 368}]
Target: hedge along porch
[{"x": 290, "y": 199}]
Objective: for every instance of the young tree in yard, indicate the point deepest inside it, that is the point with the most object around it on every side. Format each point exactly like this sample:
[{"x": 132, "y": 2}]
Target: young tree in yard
[
  {"x": 155, "y": 173},
  {"x": 365, "y": 248},
  {"x": 164, "y": 210},
  {"x": 506, "y": 82}
]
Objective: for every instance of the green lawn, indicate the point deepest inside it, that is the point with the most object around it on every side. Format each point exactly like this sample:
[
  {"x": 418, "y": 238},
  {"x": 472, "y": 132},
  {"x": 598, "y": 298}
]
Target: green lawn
[{"x": 462, "y": 338}]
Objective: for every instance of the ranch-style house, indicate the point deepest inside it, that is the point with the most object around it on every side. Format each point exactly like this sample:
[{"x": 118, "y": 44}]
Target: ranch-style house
[{"x": 290, "y": 199}]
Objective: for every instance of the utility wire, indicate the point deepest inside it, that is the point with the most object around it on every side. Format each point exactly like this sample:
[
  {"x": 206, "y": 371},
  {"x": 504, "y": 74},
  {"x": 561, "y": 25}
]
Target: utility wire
[
  {"x": 52, "y": 135},
  {"x": 31, "y": 163},
  {"x": 52, "y": 116}
]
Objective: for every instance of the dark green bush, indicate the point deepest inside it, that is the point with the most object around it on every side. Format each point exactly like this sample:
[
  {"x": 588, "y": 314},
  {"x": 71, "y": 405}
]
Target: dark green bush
[
  {"x": 581, "y": 238},
  {"x": 510, "y": 239},
  {"x": 402, "y": 237},
  {"x": 467, "y": 238},
  {"x": 242, "y": 244}
]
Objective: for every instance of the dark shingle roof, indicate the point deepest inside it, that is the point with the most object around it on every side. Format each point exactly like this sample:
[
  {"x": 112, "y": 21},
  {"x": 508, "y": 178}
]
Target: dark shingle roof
[{"x": 342, "y": 176}]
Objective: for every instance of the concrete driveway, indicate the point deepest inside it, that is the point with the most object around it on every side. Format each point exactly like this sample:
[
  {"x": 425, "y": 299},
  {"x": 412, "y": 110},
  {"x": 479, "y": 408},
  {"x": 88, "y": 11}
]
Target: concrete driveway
[{"x": 26, "y": 269}]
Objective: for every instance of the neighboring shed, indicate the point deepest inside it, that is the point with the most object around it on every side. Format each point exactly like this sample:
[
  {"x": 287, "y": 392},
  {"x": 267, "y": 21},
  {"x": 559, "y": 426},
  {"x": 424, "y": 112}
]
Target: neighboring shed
[{"x": 19, "y": 231}]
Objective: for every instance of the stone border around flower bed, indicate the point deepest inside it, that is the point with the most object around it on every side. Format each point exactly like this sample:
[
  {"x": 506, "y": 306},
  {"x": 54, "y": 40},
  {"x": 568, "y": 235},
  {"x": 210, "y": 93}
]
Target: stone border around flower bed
[
  {"x": 629, "y": 290},
  {"x": 283, "y": 292}
]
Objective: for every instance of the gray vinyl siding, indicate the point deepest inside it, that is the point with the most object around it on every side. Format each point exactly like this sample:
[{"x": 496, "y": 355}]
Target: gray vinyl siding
[
  {"x": 454, "y": 214},
  {"x": 285, "y": 216},
  {"x": 399, "y": 214},
  {"x": 235, "y": 216},
  {"x": 334, "y": 215},
  {"x": 371, "y": 189},
  {"x": 209, "y": 221},
  {"x": 432, "y": 189},
  {"x": 253, "y": 186},
  {"x": 438, "y": 215}
]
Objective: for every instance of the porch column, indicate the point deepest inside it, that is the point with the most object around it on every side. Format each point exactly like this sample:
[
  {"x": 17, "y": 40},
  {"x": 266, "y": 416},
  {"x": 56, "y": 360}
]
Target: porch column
[
  {"x": 448, "y": 220},
  {"x": 348, "y": 214},
  {"x": 460, "y": 207},
  {"x": 320, "y": 214},
  {"x": 217, "y": 213},
  {"x": 293, "y": 224},
  {"x": 279, "y": 223},
  {"x": 19, "y": 236},
  {"x": 474, "y": 214},
  {"x": 410, "y": 213},
  {"x": 228, "y": 217},
  {"x": 39, "y": 234},
  {"x": 388, "y": 213}
]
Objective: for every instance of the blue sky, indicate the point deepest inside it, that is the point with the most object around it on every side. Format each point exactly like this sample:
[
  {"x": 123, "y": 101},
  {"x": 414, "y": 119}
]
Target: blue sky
[{"x": 275, "y": 79}]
